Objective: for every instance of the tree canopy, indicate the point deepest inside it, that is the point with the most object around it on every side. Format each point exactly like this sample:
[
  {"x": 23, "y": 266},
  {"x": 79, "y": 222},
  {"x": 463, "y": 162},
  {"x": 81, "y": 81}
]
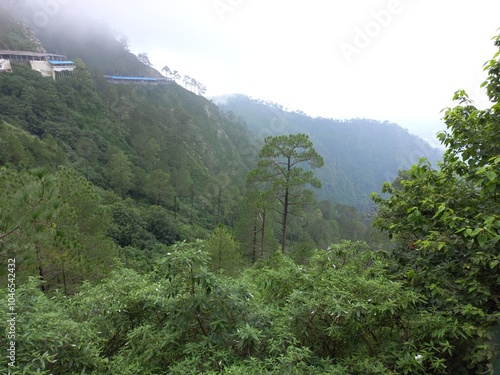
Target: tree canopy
[
  {"x": 446, "y": 224},
  {"x": 280, "y": 171}
]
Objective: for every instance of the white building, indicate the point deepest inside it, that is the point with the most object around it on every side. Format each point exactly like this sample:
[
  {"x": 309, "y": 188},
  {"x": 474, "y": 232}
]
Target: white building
[
  {"x": 5, "y": 66},
  {"x": 49, "y": 68}
]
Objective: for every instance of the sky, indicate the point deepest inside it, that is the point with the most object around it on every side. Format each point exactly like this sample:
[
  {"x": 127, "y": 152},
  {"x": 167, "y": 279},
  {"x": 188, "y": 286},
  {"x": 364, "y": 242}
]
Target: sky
[{"x": 389, "y": 60}]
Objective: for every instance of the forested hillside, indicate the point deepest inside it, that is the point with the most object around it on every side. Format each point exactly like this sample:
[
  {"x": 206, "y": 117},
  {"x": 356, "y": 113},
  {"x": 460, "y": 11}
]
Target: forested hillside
[
  {"x": 360, "y": 154},
  {"x": 144, "y": 230},
  {"x": 164, "y": 163}
]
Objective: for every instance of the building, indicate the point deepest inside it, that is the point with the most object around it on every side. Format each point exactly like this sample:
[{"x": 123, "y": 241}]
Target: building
[
  {"x": 27, "y": 56},
  {"x": 43, "y": 67},
  {"x": 61, "y": 66},
  {"x": 48, "y": 64},
  {"x": 5, "y": 66},
  {"x": 128, "y": 79},
  {"x": 51, "y": 67}
]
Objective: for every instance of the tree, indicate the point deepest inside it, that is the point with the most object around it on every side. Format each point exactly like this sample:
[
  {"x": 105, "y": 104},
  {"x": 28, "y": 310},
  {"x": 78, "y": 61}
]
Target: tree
[
  {"x": 202, "y": 89},
  {"x": 87, "y": 150},
  {"x": 51, "y": 223},
  {"x": 167, "y": 71},
  {"x": 187, "y": 80},
  {"x": 224, "y": 251},
  {"x": 446, "y": 225},
  {"x": 172, "y": 74},
  {"x": 118, "y": 170},
  {"x": 181, "y": 183},
  {"x": 124, "y": 42},
  {"x": 194, "y": 84},
  {"x": 144, "y": 58},
  {"x": 280, "y": 168},
  {"x": 158, "y": 187},
  {"x": 254, "y": 228},
  {"x": 159, "y": 223}
]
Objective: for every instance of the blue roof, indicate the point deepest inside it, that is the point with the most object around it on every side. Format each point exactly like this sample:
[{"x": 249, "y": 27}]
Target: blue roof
[
  {"x": 57, "y": 62},
  {"x": 136, "y": 78}
]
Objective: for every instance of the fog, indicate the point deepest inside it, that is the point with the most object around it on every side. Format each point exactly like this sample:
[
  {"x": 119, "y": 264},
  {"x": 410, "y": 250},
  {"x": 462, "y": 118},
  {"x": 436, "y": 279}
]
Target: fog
[{"x": 395, "y": 60}]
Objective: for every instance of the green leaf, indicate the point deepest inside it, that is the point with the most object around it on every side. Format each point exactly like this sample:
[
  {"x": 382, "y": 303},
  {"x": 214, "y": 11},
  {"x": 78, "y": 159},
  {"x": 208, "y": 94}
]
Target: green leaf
[
  {"x": 482, "y": 238},
  {"x": 441, "y": 136},
  {"x": 441, "y": 208},
  {"x": 491, "y": 175}
]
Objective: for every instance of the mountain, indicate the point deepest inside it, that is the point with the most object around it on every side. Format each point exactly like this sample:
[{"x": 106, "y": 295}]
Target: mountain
[
  {"x": 359, "y": 154},
  {"x": 157, "y": 144}
]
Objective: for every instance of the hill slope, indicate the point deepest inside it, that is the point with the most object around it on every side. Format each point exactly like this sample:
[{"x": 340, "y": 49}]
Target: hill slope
[
  {"x": 159, "y": 144},
  {"x": 359, "y": 154}
]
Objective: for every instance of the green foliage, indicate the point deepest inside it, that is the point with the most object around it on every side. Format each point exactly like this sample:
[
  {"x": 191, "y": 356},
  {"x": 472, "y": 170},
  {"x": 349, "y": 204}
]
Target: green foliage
[
  {"x": 339, "y": 314},
  {"x": 282, "y": 176},
  {"x": 48, "y": 340},
  {"x": 158, "y": 188},
  {"x": 129, "y": 227},
  {"x": 159, "y": 222},
  {"x": 19, "y": 148},
  {"x": 50, "y": 224},
  {"x": 158, "y": 144},
  {"x": 254, "y": 228},
  {"x": 224, "y": 252},
  {"x": 118, "y": 171},
  {"x": 447, "y": 220},
  {"x": 143, "y": 232}
]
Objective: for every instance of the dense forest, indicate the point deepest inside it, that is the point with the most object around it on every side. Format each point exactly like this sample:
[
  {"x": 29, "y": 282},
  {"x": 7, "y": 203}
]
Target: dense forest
[{"x": 146, "y": 230}]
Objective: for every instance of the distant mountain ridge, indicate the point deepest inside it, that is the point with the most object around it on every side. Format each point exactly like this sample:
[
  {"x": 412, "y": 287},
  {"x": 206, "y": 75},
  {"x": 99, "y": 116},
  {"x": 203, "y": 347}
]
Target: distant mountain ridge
[{"x": 360, "y": 154}]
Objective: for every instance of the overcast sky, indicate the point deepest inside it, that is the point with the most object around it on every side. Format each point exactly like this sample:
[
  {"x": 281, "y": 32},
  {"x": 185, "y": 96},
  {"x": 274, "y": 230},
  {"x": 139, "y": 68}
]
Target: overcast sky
[{"x": 395, "y": 60}]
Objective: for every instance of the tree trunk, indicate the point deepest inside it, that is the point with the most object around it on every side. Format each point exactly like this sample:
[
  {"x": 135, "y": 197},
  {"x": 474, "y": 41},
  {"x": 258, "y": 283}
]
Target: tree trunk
[
  {"x": 263, "y": 234},
  {"x": 191, "y": 213},
  {"x": 65, "y": 286},
  {"x": 218, "y": 206},
  {"x": 254, "y": 244},
  {"x": 285, "y": 216},
  {"x": 41, "y": 271},
  {"x": 214, "y": 213}
]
